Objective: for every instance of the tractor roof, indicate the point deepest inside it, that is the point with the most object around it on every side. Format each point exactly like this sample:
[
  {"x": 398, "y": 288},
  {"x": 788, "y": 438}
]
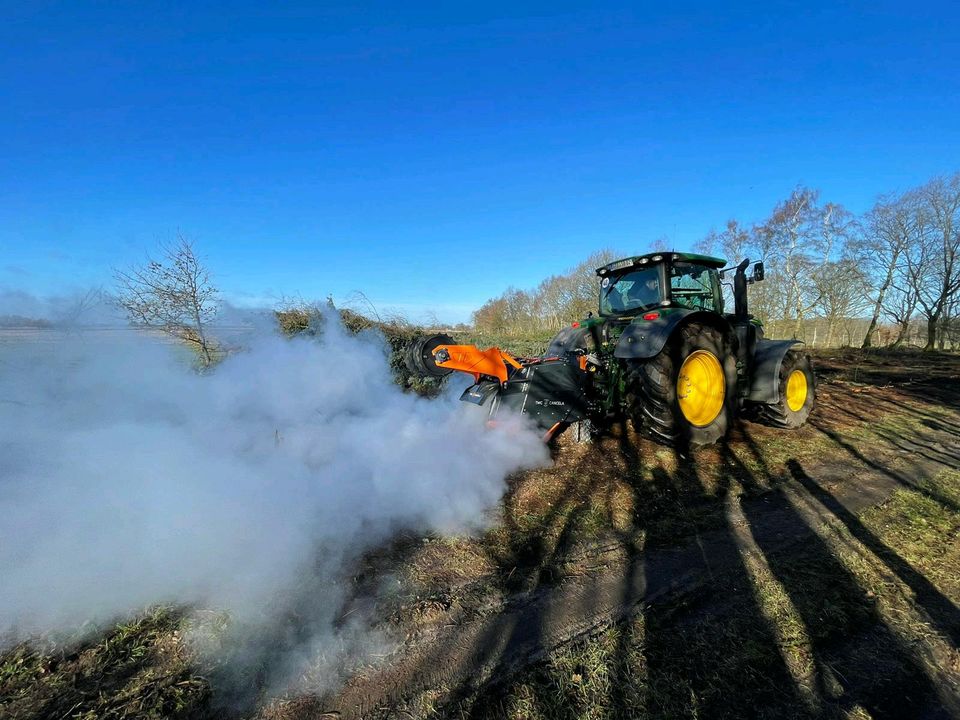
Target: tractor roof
[{"x": 658, "y": 257}]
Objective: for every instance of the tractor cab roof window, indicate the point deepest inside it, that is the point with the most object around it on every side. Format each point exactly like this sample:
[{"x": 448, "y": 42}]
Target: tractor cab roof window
[
  {"x": 696, "y": 287},
  {"x": 631, "y": 292}
]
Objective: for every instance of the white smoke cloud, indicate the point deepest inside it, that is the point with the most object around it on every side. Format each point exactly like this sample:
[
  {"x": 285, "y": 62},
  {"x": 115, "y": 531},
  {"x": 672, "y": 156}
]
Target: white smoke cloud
[
  {"x": 127, "y": 479},
  {"x": 68, "y": 310}
]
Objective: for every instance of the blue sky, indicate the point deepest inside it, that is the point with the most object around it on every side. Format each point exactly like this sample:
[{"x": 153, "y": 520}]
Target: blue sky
[{"x": 430, "y": 155}]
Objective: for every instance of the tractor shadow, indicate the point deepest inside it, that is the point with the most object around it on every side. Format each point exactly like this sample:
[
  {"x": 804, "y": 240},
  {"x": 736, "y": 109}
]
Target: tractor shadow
[{"x": 699, "y": 647}]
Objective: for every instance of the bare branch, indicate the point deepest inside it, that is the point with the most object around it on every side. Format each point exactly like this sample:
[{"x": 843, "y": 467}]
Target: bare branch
[{"x": 173, "y": 294}]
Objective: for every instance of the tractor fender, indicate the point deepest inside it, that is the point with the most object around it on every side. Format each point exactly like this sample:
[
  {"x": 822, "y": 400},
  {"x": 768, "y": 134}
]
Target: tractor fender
[
  {"x": 569, "y": 339},
  {"x": 767, "y": 359},
  {"x": 643, "y": 339}
]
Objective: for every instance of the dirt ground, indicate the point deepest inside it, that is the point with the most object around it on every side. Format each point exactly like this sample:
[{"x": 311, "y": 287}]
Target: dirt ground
[{"x": 813, "y": 573}]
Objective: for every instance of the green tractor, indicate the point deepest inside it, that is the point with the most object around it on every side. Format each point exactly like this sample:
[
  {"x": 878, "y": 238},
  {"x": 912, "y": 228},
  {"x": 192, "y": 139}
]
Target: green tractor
[{"x": 661, "y": 352}]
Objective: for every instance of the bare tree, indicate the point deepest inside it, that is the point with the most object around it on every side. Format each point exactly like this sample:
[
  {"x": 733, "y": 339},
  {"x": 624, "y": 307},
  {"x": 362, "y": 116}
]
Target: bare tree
[
  {"x": 842, "y": 293},
  {"x": 551, "y": 305},
  {"x": 900, "y": 303},
  {"x": 585, "y": 285},
  {"x": 900, "y": 262},
  {"x": 735, "y": 242},
  {"x": 550, "y": 301},
  {"x": 491, "y": 316},
  {"x": 950, "y": 333},
  {"x": 936, "y": 287},
  {"x": 885, "y": 237},
  {"x": 798, "y": 240},
  {"x": 661, "y": 243},
  {"x": 173, "y": 294}
]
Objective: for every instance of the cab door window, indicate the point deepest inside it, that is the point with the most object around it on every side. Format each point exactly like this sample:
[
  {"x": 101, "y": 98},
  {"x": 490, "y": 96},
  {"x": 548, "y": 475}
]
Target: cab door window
[{"x": 695, "y": 287}]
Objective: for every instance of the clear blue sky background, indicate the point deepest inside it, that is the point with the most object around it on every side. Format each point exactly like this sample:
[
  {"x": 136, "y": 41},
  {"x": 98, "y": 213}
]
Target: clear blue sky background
[{"x": 432, "y": 154}]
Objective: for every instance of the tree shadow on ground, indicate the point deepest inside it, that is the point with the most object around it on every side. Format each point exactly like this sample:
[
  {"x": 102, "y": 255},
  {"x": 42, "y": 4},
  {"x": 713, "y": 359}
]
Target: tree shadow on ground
[
  {"x": 538, "y": 571},
  {"x": 858, "y": 660},
  {"x": 940, "y": 612},
  {"x": 718, "y": 648},
  {"x": 697, "y": 664},
  {"x": 837, "y": 439},
  {"x": 659, "y": 664}
]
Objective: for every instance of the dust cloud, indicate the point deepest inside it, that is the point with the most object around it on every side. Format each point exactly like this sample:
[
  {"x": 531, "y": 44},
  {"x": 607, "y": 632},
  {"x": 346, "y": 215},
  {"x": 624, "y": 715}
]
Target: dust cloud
[{"x": 128, "y": 479}]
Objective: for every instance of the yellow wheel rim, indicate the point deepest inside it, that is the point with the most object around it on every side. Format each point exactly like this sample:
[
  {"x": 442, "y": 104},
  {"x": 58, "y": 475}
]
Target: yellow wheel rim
[
  {"x": 796, "y": 390},
  {"x": 701, "y": 388}
]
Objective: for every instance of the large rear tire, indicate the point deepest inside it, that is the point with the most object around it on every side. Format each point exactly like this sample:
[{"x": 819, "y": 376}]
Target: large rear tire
[
  {"x": 797, "y": 393},
  {"x": 686, "y": 395}
]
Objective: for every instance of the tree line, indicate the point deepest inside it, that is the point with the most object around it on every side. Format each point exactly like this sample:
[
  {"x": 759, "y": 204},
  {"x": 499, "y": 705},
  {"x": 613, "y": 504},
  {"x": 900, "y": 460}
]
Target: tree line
[
  {"x": 890, "y": 276},
  {"x": 547, "y": 307}
]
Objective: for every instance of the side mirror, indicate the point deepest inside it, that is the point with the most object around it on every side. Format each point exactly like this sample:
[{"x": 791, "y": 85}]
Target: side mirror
[{"x": 757, "y": 272}]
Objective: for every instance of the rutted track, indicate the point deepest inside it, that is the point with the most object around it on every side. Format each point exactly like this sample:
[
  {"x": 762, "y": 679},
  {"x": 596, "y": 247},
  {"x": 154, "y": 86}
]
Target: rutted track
[{"x": 457, "y": 655}]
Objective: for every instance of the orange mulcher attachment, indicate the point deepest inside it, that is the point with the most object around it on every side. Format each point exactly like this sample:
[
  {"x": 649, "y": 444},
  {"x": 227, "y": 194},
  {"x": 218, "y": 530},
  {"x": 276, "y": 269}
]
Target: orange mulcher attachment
[
  {"x": 549, "y": 391},
  {"x": 471, "y": 359},
  {"x": 437, "y": 355}
]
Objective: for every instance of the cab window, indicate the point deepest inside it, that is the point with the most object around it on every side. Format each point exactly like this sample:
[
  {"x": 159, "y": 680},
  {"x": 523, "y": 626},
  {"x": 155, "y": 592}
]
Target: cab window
[
  {"x": 630, "y": 292},
  {"x": 695, "y": 287}
]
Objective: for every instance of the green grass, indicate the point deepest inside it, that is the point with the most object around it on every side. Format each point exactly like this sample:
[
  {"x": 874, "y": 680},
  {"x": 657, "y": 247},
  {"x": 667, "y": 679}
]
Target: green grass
[
  {"x": 137, "y": 669},
  {"x": 924, "y": 530}
]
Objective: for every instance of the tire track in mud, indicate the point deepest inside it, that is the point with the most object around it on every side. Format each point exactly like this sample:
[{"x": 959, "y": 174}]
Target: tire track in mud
[{"x": 457, "y": 655}]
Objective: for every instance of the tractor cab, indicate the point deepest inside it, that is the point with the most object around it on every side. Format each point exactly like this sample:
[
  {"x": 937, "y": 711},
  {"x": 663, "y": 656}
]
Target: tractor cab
[
  {"x": 644, "y": 299},
  {"x": 656, "y": 281}
]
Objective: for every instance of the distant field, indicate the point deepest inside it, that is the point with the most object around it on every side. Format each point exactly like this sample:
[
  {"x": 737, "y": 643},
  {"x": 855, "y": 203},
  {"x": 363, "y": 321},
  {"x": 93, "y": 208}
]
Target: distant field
[
  {"x": 55, "y": 335},
  {"x": 51, "y": 337}
]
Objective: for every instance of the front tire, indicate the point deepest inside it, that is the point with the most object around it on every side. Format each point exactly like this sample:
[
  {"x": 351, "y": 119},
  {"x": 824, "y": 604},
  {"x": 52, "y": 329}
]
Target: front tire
[
  {"x": 686, "y": 395},
  {"x": 797, "y": 393}
]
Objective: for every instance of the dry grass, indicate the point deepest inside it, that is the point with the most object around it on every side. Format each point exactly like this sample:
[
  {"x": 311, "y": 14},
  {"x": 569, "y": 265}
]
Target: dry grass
[
  {"x": 749, "y": 646},
  {"x": 849, "y": 622}
]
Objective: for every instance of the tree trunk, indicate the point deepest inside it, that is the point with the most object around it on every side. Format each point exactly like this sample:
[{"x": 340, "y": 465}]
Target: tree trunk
[
  {"x": 204, "y": 346},
  {"x": 881, "y": 293},
  {"x": 902, "y": 335},
  {"x": 931, "y": 332},
  {"x": 867, "y": 342}
]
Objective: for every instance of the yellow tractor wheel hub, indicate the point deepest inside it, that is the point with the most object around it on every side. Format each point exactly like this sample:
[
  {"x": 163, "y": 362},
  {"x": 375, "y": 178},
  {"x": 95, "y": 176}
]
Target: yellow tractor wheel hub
[
  {"x": 701, "y": 388},
  {"x": 796, "y": 390}
]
